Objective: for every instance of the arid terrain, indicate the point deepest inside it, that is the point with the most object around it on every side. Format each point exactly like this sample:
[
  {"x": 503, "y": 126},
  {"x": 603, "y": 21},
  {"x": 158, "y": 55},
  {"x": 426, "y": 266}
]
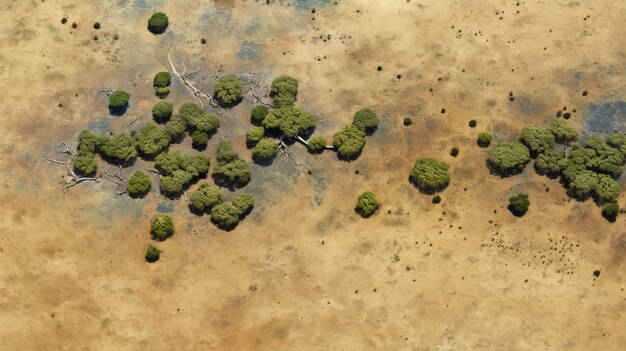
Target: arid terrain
[{"x": 303, "y": 271}]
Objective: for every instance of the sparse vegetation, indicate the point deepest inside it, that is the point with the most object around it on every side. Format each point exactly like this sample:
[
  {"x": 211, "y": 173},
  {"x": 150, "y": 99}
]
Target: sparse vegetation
[
  {"x": 518, "y": 204},
  {"x": 472, "y": 123},
  {"x": 454, "y": 152},
  {"x": 138, "y": 184},
  {"x": 158, "y": 22},
  {"x": 484, "y": 139},
  {"x": 162, "y": 227},
  {"x": 228, "y": 90},
  {"x": 436, "y": 199},
  {"x": 153, "y": 254},
  {"x": 407, "y": 121},
  {"x": 366, "y": 204},
  {"x": 429, "y": 175}
]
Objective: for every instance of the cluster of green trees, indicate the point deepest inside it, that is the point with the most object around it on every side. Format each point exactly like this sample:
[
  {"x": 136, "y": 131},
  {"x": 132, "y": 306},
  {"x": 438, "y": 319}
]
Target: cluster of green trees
[
  {"x": 366, "y": 204},
  {"x": 162, "y": 81},
  {"x": 178, "y": 171},
  {"x": 161, "y": 228},
  {"x": 227, "y": 215},
  {"x": 201, "y": 126},
  {"x": 228, "y": 90},
  {"x": 588, "y": 171},
  {"x": 231, "y": 170},
  {"x": 350, "y": 140},
  {"x": 429, "y": 175}
]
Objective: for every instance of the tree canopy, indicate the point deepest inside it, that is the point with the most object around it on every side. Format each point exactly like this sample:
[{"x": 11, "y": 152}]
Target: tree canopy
[
  {"x": 158, "y": 22},
  {"x": 284, "y": 91},
  {"x": 162, "y": 81},
  {"x": 610, "y": 211},
  {"x": 151, "y": 141},
  {"x": 244, "y": 203},
  {"x": 175, "y": 128},
  {"x": 118, "y": 101},
  {"x": 138, "y": 184},
  {"x": 153, "y": 254},
  {"x": 537, "y": 139},
  {"x": 265, "y": 150},
  {"x": 316, "y": 143},
  {"x": 230, "y": 170},
  {"x": 225, "y": 215},
  {"x": 178, "y": 170},
  {"x": 429, "y": 175},
  {"x": 258, "y": 114},
  {"x": 204, "y": 198},
  {"x": 366, "y": 120},
  {"x": 563, "y": 133},
  {"x": 228, "y": 90},
  {"x": 290, "y": 121},
  {"x": 484, "y": 139},
  {"x": 518, "y": 204},
  {"x": 551, "y": 163},
  {"x": 162, "y": 227},
  {"x": 253, "y": 135},
  {"x": 349, "y": 142},
  {"x": 366, "y": 204},
  {"x": 162, "y": 111},
  {"x": 508, "y": 158},
  {"x": 120, "y": 149}
]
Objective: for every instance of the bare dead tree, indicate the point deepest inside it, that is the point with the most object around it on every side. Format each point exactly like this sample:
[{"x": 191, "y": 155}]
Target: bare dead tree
[
  {"x": 287, "y": 157},
  {"x": 71, "y": 179},
  {"x": 186, "y": 78},
  {"x": 119, "y": 179}
]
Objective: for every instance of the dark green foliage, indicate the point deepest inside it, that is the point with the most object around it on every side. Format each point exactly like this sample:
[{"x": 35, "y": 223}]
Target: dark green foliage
[
  {"x": 196, "y": 119},
  {"x": 436, "y": 199},
  {"x": 584, "y": 184},
  {"x": 472, "y": 123},
  {"x": 607, "y": 189},
  {"x": 228, "y": 90},
  {"x": 90, "y": 143},
  {"x": 537, "y": 139},
  {"x": 173, "y": 185},
  {"x": 162, "y": 81},
  {"x": 618, "y": 141},
  {"x": 230, "y": 170},
  {"x": 226, "y": 215},
  {"x": 551, "y": 163},
  {"x": 484, "y": 139},
  {"x": 162, "y": 111},
  {"x": 158, "y": 23},
  {"x": 284, "y": 91},
  {"x": 199, "y": 140},
  {"x": 153, "y": 254},
  {"x": 265, "y": 150},
  {"x": 138, "y": 184},
  {"x": 349, "y": 142},
  {"x": 120, "y": 149},
  {"x": 189, "y": 111},
  {"x": 366, "y": 120},
  {"x": 429, "y": 175},
  {"x": 454, "y": 151},
  {"x": 290, "y": 121},
  {"x": 605, "y": 159},
  {"x": 178, "y": 170},
  {"x": 151, "y": 141},
  {"x": 518, "y": 204},
  {"x": 203, "y": 199},
  {"x": 85, "y": 164},
  {"x": 258, "y": 114},
  {"x": 366, "y": 204},
  {"x": 175, "y": 128},
  {"x": 96, "y": 25},
  {"x": 407, "y": 121},
  {"x": 162, "y": 227},
  {"x": 244, "y": 203},
  {"x": 610, "y": 211},
  {"x": 316, "y": 143},
  {"x": 118, "y": 102},
  {"x": 253, "y": 135},
  {"x": 571, "y": 170},
  {"x": 508, "y": 158},
  {"x": 563, "y": 133}
]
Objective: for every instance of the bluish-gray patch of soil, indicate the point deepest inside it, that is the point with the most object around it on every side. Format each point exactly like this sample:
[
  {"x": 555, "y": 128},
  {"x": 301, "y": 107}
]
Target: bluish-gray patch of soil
[{"x": 606, "y": 118}]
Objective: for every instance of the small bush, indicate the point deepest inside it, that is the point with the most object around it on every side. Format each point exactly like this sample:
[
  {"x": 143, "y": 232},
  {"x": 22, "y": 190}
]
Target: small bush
[
  {"x": 484, "y": 139},
  {"x": 96, "y": 25},
  {"x": 518, "y": 204},
  {"x": 366, "y": 120},
  {"x": 429, "y": 175},
  {"x": 284, "y": 90},
  {"x": 366, "y": 204},
  {"x": 118, "y": 102},
  {"x": 508, "y": 158},
  {"x": 472, "y": 123},
  {"x": 228, "y": 90},
  {"x": 162, "y": 227},
  {"x": 349, "y": 142},
  {"x": 610, "y": 211},
  {"x": 157, "y": 24},
  {"x": 138, "y": 184},
  {"x": 436, "y": 199},
  {"x": 253, "y": 135},
  {"x": 162, "y": 81},
  {"x": 258, "y": 114},
  {"x": 162, "y": 111},
  {"x": 407, "y": 121},
  {"x": 203, "y": 199},
  {"x": 454, "y": 151},
  {"x": 316, "y": 143},
  {"x": 153, "y": 254}
]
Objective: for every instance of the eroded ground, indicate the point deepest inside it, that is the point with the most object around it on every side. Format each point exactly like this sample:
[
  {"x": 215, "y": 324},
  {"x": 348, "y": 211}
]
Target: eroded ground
[{"x": 303, "y": 271}]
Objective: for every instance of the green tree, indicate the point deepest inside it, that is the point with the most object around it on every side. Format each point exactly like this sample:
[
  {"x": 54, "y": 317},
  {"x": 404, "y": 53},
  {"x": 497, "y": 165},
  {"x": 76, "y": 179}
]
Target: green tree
[
  {"x": 158, "y": 22},
  {"x": 85, "y": 164},
  {"x": 366, "y": 204},
  {"x": 316, "y": 143},
  {"x": 605, "y": 159},
  {"x": 225, "y": 216},
  {"x": 138, "y": 184},
  {"x": 203, "y": 199},
  {"x": 429, "y": 175},
  {"x": 508, "y": 158},
  {"x": 196, "y": 165},
  {"x": 584, "y": 184},
  {"x": 607, "y": 189},
  {"x": 228, "y": 90},
  {"x": 174, "y": 184},
  {"x": 120, "y": 149},
  {"x": 284, "y": 91},
  {"x": 563, "y": 133},
  {"x": 151, "y": 141},
  {"x": 175, "y": 128},
  {"x": 290, "y": 121},
  {"x": 153, "y": 254},
  {"x": 162, "y": 227},
  {"x": 199, "y": 139},
  {"x": 349, "y": 142},
  {"x": 189, "y": 111},
  {"x": 225, "y": 152},
  {"x": 265, "y": 150},
  {"x": 537, "y": 139},
  {"x": 162, "y": 111},
  {"x": 518, "y": 204},
  {"x": 118, "y": 102},
  {"x": 618, "y": 141},
  {"x": 610, "y": 211},
  {"x": 258, "y": 114},
  {"x": 162, "y": 81},
  {"x": 244, "y": 203},
  {"x": 366, "y": 120},
  {"x": 233, "y": 174},
  {"x": 484, "y": 139},
  {"x": 551, "y": 163},
  {"x": 253, "y": 135},
  {"x": 90, "y": 143}
]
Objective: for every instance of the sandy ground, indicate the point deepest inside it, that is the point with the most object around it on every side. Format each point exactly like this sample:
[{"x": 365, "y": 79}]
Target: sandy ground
[{"x": 303, "y": 271}]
